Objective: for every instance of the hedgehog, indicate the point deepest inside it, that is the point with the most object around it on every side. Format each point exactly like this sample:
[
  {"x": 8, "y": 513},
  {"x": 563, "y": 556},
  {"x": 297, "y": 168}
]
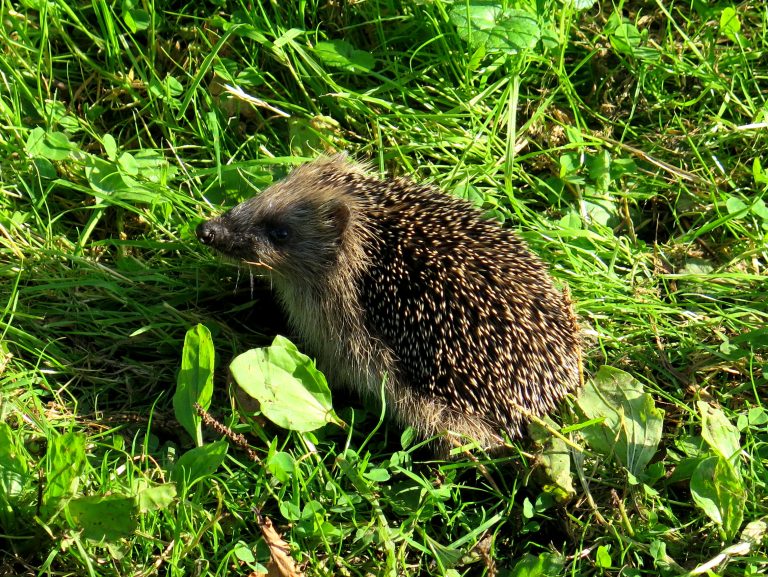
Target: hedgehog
[{"x": 401, "y": 290}]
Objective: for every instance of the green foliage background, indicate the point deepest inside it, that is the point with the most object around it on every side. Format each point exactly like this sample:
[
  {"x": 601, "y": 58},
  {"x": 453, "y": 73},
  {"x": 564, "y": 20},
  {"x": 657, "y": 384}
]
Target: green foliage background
[{"x": 625, "y": 142}]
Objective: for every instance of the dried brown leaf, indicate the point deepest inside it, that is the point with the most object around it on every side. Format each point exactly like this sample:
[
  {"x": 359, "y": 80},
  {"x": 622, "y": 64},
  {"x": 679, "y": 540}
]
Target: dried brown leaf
[{"x": 281, "y": 563}]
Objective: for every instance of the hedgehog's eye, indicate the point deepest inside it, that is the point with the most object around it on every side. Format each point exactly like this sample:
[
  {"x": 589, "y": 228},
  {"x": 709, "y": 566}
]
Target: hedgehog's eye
[{"x": 278, "y": 234}]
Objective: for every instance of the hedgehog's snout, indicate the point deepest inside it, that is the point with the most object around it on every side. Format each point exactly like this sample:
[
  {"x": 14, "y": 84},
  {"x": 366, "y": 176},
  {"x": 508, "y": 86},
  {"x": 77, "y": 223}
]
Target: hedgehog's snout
[
  {"x": 212, "y": 233},
  {"x": 224, "y": 236}
]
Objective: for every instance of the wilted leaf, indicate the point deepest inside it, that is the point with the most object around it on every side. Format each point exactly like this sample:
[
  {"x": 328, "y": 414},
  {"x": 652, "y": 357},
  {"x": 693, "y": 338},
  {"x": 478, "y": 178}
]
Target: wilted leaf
[
  {"x": 292, "y": 393},
  {"x": 554, "y": 464},
  {"x": 631, "y": 429},
  {"x": 281, "y": 564}
]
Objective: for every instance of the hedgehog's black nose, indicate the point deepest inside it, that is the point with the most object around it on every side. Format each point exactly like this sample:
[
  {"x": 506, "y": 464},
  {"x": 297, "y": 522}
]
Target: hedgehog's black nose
[{"x": 210, "y": 232}]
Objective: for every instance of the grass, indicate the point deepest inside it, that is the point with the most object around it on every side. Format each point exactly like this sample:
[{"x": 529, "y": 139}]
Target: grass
[{"x": 627, "y": 146}]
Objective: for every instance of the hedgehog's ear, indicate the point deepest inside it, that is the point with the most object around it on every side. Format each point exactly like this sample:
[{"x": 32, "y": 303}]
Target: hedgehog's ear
[{"x": 339, "y": 214}]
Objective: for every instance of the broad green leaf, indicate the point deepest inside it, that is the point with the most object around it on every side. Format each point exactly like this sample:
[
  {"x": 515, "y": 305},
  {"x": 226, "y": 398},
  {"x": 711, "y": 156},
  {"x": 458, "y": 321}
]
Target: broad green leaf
[
  {"x": 10, "y": 456},
  {"x": 488, "y": 24},
  {"x": 110, "y": 146},
  {"x": 582, "y": 4},
  {"x": 544, "y": 565},
  {"x": 106, "y": 177},
  {"x": 377, "y": 475},
  {"x": 758, "y": 172},
  {"x": 153, "y": 166},
  {"x": 718, "y": 489},
  {"x": 104, "y": 518},
  {"x": 128, "y": 164},
  {"x": 720, "y": 434},
  {"x": 14, "y": 477},
  {"x": 631, "y": 429},
  {"x": 195, "y": 381},
  {"x": 342, "y": 54},
  {"x": 50, "y": 145},
  {"x": 446, "y": 555},
  {"x": 554, "y": 471},
  {"x": 658, "y": 550},
  {"x": 65, "y": 462},
  {"x": 244, "y": 553},
  {"x": 288, "y": 36},
  {"x": 730, "y": 25},
  {"x": 754, "y": 417},
  {"x": 760, "y": 209},
  {"x": 696, "y": 266},
  {"x": 173, "y": 86},
  {"x": 281, "y": 465},
  {"x": 136, "y": 20},
  {"x": 407, "y": 437},
  {"x": 290, "y": 510},
  {"x": 735, "y": 205},
  {"x": 600, "y": 170},
  {"x": 603, "y": 557},
  {"x": 198, "y": 463},
  {"x": 310, "y": 135},
  {"x": 156, "y": 498},
  {"x": 601, "y": 210},
  {"x": 626, "y": 39},
  {"x": 292, "y": 393}
]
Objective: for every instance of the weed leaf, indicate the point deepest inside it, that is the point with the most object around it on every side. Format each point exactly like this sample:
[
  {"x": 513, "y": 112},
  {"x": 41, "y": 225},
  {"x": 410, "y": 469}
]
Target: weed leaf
[
  {"x": 631, "y": 428},
  {"x": 104, "y": 518},
  {"x": 198, "y": 463},
  {"x": 342, "y": 54},
  {"x": 554, "y": 460},
  {"x": 49, "y": 145},
  {"x": 281, "y": 465},
  {"x": 156, "y": 498},
  {"x": 730, "y": 25},
  {"x": 65, "y": 463},
  {"x": 488, "y": 24},
  {"x": 195, "y": 381},
  {"x": 292, "y": 393},
  {"x": 720, "y": 434},
  {"x": 543, "y": 565},
  {"x": 626, "y": 39},
  {"x": 13, "y": 477},
  {"x": 718, "y": 489}
]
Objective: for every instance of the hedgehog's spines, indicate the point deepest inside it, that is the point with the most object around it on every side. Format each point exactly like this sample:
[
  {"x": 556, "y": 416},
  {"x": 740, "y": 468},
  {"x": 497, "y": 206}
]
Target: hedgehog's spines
[{"x": 387, "y": 277}]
